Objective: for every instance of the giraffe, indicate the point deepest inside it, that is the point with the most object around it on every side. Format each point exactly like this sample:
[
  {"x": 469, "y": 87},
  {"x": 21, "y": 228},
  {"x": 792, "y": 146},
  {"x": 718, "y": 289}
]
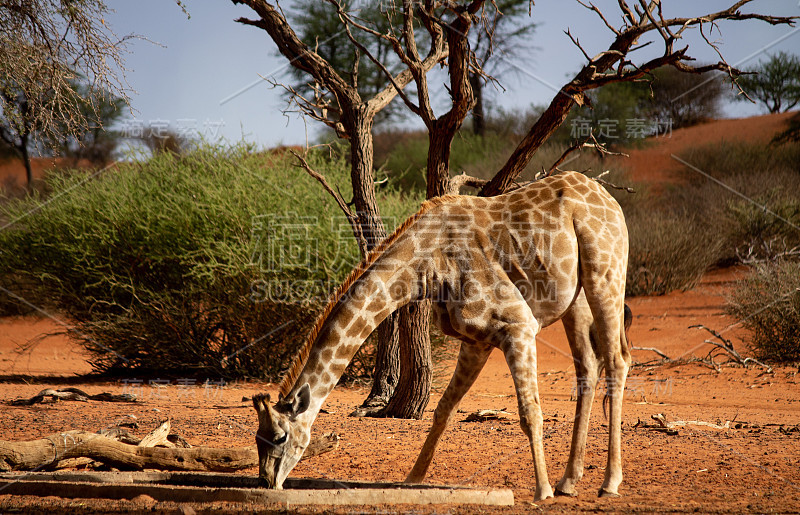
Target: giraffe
[{"x": 498, "y": 270}]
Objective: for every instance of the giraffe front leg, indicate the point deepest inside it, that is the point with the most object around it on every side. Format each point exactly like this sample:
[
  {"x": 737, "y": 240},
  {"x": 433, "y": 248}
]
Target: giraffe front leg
[
  {"x": 520, "y": 353},
  {"x": 471, "y": 359}
]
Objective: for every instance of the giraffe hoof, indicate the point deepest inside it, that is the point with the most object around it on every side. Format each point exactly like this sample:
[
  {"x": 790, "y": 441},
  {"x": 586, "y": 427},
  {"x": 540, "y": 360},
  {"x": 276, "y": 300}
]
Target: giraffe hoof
[
  {"x": 605, "y": 493},
  {"x": 563, "y": 493}
]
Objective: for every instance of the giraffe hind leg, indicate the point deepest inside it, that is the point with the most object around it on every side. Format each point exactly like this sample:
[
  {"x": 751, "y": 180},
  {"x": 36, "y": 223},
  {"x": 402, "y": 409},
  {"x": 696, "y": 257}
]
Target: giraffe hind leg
[
  {"x": 608, "y": 312},
  {"x": 518, "y": 342},
  {"x": 471, "y": 359},
  {"x": 578, "y": 326}
]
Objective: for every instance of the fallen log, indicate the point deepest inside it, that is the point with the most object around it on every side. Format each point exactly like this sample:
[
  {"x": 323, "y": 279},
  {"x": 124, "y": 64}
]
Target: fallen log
[
  {"x": 72, "y": 394},
  {"x": 48, "y": 452}
]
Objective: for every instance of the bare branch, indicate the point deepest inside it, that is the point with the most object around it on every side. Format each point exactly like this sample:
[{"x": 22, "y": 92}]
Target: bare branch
[
  {"x": 317, "y": 109},
  {"x": 572, "y": 148},
  {"x": 351, "y": 217},
  {"x": 653, "y": 349},
  {"x": 577, "y": 43},
  {"x": 594, "y": 8},
  {"x": 297, "y": 52},
  {"x": 610, "y": 185},
  {"x": 463, "y": 179},
  {"x": 599, "y": 72},
  {"x": 347, "y": 20},
  {"x": 727, "y": 346}
]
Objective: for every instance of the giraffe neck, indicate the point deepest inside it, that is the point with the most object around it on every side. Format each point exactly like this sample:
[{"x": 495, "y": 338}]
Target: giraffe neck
[{"x": 391, "y": 281}]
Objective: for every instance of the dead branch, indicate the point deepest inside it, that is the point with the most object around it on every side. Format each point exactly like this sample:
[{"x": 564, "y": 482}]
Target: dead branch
[
  {"x": 53, "y": 450},
  {"x": 455, "y": 184},
  {"x": 610, "y": 185},
  {"x": 71, "y": 394},
  {"x": 595, "y": 145},
  {"x": 653, "y": 349},
  {"x": 727, "y": 347},
  {"x": 351, "y": 217},
  {"x": 612, "y": 65},
  {"x": 487, "y": 414},
  {"x": 158, "y": 436},
  {"x": 659, "y": 426},
  {"x": 662, "y": 423},
  {"x": 572, "y": 148},
  {"x": 666, "y": 360},
  {"x": 708, "y": 360}
]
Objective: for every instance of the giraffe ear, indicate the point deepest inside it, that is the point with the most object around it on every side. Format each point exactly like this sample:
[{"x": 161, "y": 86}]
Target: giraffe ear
[{"x": 301, "y": 400}]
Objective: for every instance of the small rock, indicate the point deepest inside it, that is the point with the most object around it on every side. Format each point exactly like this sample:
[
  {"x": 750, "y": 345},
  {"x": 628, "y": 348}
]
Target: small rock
[{"x": 145, "y": 499}]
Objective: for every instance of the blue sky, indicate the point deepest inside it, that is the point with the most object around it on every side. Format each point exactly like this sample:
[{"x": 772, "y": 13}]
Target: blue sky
[{"x": 203, "y": 74}]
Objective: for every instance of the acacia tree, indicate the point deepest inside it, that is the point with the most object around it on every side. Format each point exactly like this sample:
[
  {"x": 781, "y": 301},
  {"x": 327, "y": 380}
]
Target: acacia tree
[
  {"x": 448, "y": 24},
  {"x": 97, "y": 143},
  {"x": 775, "y": 83},
  {"x": 669, "y": 99},
  {"x": 45, "y": 46},
  {"x": 615, "y": 64},
  {"x": 352, "y": 116}
]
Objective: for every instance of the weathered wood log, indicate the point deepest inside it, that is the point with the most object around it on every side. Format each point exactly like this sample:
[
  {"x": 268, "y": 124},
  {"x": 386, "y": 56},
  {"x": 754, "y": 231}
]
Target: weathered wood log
[
  {"x": 157, "y": 437},
  {"x": 48, "y": 452},
  {"x": 72, "y": 394}
]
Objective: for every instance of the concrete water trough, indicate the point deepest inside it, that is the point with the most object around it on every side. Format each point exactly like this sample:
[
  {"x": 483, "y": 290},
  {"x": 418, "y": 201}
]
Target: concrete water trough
[{"x": 212, "y": 486}]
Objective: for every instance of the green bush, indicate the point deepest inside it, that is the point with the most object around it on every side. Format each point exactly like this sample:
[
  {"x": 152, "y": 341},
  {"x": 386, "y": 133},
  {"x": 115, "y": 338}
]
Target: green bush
[
  {"x": 768, "y": 305},
  {"x": 212, "y": 263}
]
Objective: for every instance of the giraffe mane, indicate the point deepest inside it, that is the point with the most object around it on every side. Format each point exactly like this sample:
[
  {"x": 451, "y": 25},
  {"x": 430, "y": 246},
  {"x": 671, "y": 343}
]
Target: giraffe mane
[{"x": 288, "y": 381}]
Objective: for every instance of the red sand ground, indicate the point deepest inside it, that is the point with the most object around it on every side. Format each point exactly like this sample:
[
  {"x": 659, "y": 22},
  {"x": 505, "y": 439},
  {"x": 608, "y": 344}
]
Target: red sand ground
[{"x": 754, "y": 467}]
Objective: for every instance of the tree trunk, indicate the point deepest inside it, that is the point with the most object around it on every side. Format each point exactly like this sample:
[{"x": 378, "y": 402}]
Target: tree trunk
[
  {"x": 414, "y": 389},
  {"x": 478, "y": 120},
  {"x": 416, "y": 366},
  {"x": 26, "y": 160},
  {"x": 387, "y": 364},
  {"x": 387, "y": 357}
]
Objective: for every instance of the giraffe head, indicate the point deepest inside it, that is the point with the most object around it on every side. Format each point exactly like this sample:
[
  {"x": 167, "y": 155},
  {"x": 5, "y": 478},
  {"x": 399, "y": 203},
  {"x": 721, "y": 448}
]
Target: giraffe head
[{"x": 281, "y": 438}]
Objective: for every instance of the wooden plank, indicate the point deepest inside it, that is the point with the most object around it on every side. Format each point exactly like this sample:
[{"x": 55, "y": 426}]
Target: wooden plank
[{"x": 204, "y": 487}]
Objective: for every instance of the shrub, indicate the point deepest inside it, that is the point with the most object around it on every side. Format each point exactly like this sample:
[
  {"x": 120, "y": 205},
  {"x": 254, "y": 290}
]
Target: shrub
[
  {"x": 211, "y": 263},
  {"x": 667, "y": 251},
  {"x": 757, "y": 210},
  {"x": 728, "y": 159},
  {"x": 768, "y": 305}
]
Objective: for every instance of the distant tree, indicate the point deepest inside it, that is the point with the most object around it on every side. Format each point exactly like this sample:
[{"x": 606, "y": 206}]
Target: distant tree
[
  {"x": 609, "y": 114},
  {"x": 44, "y": 46},
  {"x": 98, "y": 142},
  {"x": 502, "y": 38},
  {"x": 775, "y": 83},
  {"x": 16, "y": 126},
  {"x": 684, "y": 99},
  {"x": 665, "y": 99},
  {"x": 159, "y": 139}
]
